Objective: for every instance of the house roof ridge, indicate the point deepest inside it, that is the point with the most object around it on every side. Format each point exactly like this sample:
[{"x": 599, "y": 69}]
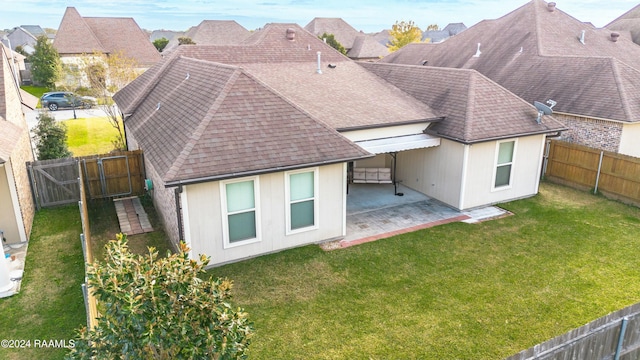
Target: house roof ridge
[
  {"x": 92, "y": 34},
  {"x": 621, "y": 88},
  {"x": 471, "y": 104},
  {"x": 197, "y": 133}
]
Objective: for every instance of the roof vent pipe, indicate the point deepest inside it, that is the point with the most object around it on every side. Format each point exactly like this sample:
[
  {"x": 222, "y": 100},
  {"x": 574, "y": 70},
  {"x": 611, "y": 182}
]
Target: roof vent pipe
[
  {"x": 551, "y": 7},
  {"x": 318, "y": 70},
  {"x": 478, "y": 52},
  {"x": 291, "y": 34},
  {"x": 615, "y": 36},
  {"x": 582, "y": 36}
]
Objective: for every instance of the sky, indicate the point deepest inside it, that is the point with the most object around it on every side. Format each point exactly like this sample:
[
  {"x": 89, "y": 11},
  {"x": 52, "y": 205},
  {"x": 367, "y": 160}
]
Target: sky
[{"x": 365, "y": 15}]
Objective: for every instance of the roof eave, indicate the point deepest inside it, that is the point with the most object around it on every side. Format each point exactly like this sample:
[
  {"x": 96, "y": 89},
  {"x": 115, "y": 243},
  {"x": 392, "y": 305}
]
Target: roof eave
[
  {"x": 384, "y": 125},
  {"x": 496, "y": 138},
  {"x": 204, "y": 179}
]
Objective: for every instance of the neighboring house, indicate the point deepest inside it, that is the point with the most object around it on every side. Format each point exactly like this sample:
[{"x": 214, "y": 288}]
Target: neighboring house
[
  {"x": 16, "y": 205},
  {"x": 159, "y": 34},
  {"x": 250, "y": 146},
  {"x": 359, "y": 46},
  {"x": 539, "y": 53},
  {"x": 629, "y": 22},
  {"x": 436, "y": 36},
  {"x": 212, "y": 32},
  {"x": 78, "y": 36},
  {"x": 25, "y": 36}
]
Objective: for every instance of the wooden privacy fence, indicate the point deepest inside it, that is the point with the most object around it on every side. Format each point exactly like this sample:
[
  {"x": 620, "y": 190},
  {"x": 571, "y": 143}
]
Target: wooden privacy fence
[
  {"x": 55, "y": 182},
  {"x": 90, "y": 302},
  {"x": 614, "y": 175},
  {"x": 613, "y": 337}
]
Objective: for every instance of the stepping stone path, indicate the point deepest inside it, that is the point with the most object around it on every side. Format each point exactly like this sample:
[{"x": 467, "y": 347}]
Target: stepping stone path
[{"x": 132, "y": 217}]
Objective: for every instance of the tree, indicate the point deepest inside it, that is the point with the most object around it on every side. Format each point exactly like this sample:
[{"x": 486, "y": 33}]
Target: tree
[
  {"x": 160, "y": 308},
  {"x": 45, "y": 63},
  {"x": 106, "y": 75},
  {"x": 330, "y": 39},
  {"x": 403, "y": 33},
  {"x": 160, "y": 44},
  {"x": 184, "y": 40},
  {"x": 50, "y": 138},
  {"x": 433, "y": 27}
]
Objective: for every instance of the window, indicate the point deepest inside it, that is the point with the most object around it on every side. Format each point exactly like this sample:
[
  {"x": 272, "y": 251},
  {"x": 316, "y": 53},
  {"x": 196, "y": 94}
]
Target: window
[
  {"x": 240, "y": 209},
  {"x": 302, "y": 202},
  {"x": 504, "y": 163}
]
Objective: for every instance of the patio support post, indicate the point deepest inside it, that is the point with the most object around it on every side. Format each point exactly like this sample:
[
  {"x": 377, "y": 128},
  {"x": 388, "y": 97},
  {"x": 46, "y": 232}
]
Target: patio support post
[{"x": 394, "y": 155}]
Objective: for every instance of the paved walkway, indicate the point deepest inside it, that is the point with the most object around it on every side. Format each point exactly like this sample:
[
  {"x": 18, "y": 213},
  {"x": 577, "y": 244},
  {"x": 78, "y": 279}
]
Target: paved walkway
[
  {"x": 374, "y": 212},
  {"x": 132, "y": 217}
]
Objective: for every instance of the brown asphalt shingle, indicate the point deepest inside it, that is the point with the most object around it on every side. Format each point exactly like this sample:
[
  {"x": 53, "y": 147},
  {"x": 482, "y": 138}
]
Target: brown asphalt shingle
[
  {"x": 213, "y": 32},
  {"x": 536, "y": 54},
  {"x": 344, "y": 33},
  {"x": 476, "y": 108},
  {"x": 109, "y": 35}
]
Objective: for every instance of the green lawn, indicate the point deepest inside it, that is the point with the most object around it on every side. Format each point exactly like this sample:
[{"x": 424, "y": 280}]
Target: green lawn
[
  {"x": 89, "y": 136},
  {"x": 50, "y": 304},
  {"x": 457, "y": 291}
]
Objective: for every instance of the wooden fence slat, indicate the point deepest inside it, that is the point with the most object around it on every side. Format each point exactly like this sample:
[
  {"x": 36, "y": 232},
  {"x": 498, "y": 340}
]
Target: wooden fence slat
[{"x": 577, "y": 165}]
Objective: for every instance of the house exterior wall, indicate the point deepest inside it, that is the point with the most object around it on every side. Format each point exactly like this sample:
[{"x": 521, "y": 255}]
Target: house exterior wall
[
  {"x": 629, "y": 141},
  {"x": 203, "y": 216},
  {"x": 595, "y": 133},
  {"x": 163, "y": 198},
  {"x": 481, "y": 167},
  {"x": 378, "y": 161},
  {"x": 9, "y": 211},
  {"x": 436, "y": 171}
]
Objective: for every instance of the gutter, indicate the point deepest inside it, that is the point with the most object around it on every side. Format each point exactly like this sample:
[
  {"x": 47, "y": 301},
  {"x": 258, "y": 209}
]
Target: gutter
[
  {"x": 435, "y": 133},
  {"x": 260, "y": 172}
]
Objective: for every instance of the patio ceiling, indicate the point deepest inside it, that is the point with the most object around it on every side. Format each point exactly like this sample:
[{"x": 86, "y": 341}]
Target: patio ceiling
[{"x": 399, "y": 143}]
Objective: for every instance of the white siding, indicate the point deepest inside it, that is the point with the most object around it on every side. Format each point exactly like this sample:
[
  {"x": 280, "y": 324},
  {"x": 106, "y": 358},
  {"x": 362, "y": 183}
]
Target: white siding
[
  {"x": 378, "y": 161},
  {"x": 629, "y": 140},
  {"x": 481, "y": 168},
  {"x": 435, "y": 171},
  {"x": 203, "y": 227},
  {"x": 10, "y": 218}
]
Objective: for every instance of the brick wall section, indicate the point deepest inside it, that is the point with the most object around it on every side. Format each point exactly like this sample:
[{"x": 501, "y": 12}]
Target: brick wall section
[
  {"x": 599, "y": 134},
  {"x": 21, "y": 156},
  {"x": 163, "y": 198},
  {"x": 22, "y": 152}
]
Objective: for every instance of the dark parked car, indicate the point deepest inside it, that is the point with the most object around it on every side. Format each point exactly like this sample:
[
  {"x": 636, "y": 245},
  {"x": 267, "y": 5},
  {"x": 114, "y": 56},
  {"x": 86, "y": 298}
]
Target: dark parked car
[{"x": 66, "y": 99}]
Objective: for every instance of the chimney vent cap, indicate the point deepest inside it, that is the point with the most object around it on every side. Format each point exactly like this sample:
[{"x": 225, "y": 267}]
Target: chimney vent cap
[{"x": 551, "y": 6}]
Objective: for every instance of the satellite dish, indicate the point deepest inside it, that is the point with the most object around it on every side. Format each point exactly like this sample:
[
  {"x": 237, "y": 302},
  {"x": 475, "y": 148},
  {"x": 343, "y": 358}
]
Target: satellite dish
[
  {"x": 546, "y": 110},
  {"x": 543, "y": 109}
]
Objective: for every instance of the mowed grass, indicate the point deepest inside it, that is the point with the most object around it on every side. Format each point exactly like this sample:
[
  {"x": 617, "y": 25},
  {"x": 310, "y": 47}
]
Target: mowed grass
[
  {"x": 90, "y": 136},
  {"x": 457, "y": 291},
  {"x": 50, "y": 305}
]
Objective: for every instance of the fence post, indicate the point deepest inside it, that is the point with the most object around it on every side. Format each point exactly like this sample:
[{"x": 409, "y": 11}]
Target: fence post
[
  {"x": 595, "y": 191},
  {"x": 623, "y": 329},
  {"x": 545, "y": 161}
]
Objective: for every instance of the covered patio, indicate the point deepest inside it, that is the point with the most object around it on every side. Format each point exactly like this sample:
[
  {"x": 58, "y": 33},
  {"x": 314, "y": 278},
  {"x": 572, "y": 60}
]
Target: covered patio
[{"x": 375, "y": 212}]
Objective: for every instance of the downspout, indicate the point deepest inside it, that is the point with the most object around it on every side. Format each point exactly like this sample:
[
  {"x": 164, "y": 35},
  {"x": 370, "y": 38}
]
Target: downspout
[
  {"x": 463, "y": 185},
  {"x": 177, "y": 192}
]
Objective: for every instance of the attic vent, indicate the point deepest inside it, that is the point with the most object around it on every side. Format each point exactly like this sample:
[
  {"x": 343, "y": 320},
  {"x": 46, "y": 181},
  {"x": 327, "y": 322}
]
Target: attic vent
[
  {"x": 551, "y": 7},
  {"x": 582, "y": 36},
  {"x": 308, "y": 47},
  {"x": 158, "y": 106},
  {"x": 291, "y": 34},
  {"x": 188, "y": 76},
  {"x": 615, "y": 36},
  {"x": 318, "y": 70},
  {"x": 425, "y": 62},
  {"x": 478, "y": 52}
]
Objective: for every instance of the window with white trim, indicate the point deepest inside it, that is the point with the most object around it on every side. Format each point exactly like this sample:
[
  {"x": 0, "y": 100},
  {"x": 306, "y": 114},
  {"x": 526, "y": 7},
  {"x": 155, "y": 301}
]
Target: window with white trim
[
  {"x": 240, "y": 206},
  {"x": 302, "y": 200},
  {"x": 504, "y": 164}
]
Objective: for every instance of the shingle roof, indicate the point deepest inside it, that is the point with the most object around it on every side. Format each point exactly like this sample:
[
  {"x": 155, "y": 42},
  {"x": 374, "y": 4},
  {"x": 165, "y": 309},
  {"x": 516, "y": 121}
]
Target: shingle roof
[
  {"x": 629, "y": 21},
  {"x": 85, "y": 35},
  {"x": 34, "y": 30},
  {"x": 217, "y": 121},
  {"x": 367, "y": 47},
  {"x": 476, "y": 108},
  {"x": 537, "y": 54},
  {"x": 341, "y": 30},
  {"x": 213, "y": 32}
]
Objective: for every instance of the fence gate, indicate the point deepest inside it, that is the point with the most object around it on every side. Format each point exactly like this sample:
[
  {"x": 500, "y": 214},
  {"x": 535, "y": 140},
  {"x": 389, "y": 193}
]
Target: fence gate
[{"x": 54, "y": 182}]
